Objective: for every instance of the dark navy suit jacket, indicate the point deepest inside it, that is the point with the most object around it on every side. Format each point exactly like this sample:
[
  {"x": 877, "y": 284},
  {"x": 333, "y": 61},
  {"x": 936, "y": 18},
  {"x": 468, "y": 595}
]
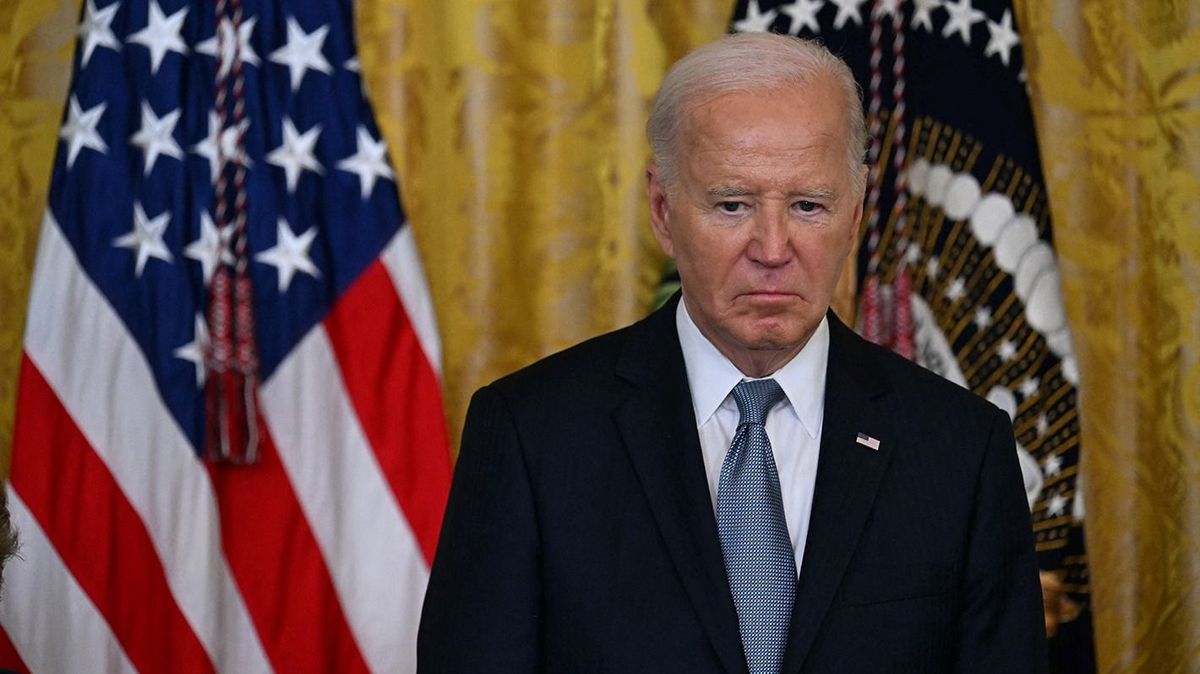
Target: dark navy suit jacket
[{"x": 580, "y": 535}]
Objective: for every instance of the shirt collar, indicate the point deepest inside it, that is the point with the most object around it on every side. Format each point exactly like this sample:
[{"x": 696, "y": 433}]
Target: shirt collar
[{"x": 711, "y": 376}]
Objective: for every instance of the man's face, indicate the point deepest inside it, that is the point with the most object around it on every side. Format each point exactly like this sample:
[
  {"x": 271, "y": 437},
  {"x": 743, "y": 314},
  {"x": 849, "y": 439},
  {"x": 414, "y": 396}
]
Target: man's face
[{"x": 762, "y": 216}]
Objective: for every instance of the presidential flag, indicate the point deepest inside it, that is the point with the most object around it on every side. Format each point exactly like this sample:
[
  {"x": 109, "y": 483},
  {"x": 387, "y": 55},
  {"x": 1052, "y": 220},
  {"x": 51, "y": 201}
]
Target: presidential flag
[
  {"x": 230, "y": 452},
  {"x": 957, "y": 266}
]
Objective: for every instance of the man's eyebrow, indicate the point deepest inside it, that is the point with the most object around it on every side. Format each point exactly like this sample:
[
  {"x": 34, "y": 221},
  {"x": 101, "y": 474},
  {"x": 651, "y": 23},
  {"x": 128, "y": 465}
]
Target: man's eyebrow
[
  {"x": 728, "y": 191},
  {"x": 815, "y": 193}
]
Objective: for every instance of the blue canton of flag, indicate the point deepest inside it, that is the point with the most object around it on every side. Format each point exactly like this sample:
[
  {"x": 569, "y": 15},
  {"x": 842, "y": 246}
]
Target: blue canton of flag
[{"x": 134, "y": 192}]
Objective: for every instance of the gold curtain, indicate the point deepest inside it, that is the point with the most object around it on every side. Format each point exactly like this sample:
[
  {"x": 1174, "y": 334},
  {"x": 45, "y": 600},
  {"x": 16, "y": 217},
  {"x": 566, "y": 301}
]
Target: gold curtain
[
  {"x": 517, "y": 128},
  {"x": 1117, "y": 91},
  {"x": 36, "y": 42}
]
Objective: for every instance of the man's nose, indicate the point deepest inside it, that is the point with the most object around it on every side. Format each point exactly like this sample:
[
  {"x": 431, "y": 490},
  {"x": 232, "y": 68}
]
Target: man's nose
[{"x": 771, "y": 245}]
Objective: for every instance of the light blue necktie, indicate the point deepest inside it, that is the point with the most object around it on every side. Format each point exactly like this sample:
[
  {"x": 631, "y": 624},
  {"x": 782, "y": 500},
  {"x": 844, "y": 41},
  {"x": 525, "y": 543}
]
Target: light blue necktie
[{"x": 759, "y": 559}]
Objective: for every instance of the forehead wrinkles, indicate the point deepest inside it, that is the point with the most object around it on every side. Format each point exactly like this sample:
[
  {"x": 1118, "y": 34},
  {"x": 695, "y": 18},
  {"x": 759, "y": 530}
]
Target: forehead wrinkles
[
  {"x": 751, "y": 165},
  {"x": 755, "y": 149},
  {"x": 785, "y": 144}
]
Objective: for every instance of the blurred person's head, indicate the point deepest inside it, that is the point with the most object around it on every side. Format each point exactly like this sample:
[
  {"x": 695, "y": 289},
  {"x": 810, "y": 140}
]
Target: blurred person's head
[{"x": 8, "y": 535}]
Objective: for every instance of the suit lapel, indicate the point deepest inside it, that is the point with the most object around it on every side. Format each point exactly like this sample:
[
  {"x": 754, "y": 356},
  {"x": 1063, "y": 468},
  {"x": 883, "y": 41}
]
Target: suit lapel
[
  {"x": 848, "y": 475},
  {"x": 659, "y": 430}
]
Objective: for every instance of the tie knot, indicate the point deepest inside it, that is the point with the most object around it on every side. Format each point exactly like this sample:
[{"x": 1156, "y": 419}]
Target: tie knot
[{"x": 755, "y": 399}]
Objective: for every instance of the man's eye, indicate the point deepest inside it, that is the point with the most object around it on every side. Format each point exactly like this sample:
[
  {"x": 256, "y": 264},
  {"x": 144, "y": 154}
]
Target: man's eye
[
  {"x": 730, "y": 206},
  {"x": 807, "y": 206}
]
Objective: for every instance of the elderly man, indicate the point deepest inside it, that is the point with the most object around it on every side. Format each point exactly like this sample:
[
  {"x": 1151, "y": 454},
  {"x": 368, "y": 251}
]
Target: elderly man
[{"x": 738, "y": 482}]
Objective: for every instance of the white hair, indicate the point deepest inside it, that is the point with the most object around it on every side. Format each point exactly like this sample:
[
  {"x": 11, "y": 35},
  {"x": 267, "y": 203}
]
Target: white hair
[{"x": 748, "y": 62}]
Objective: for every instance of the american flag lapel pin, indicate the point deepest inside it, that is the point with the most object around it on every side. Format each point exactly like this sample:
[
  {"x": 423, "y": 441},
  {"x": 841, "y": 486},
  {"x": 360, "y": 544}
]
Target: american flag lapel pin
[{"x": 867, "y": 441}]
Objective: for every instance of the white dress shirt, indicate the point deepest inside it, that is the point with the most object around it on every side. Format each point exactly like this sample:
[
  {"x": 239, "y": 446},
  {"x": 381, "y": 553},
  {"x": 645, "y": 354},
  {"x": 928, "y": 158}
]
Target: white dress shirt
[{"x": 793, "y": 425}]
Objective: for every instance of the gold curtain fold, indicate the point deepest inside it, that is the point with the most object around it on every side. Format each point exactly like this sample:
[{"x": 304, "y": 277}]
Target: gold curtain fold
[
  {"x": 517, "y": 128},
  {"x": 1117, "y": 93},
  {"x": 36, "y": 44}
]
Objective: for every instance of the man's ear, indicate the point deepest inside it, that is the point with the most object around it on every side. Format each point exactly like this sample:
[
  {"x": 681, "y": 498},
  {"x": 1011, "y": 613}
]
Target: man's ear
[{"x": 659, "y": 211}]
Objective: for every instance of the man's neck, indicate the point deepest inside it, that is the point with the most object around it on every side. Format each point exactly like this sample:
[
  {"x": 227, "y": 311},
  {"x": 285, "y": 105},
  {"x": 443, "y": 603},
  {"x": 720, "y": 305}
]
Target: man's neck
[{"x": 758, "y": 363}]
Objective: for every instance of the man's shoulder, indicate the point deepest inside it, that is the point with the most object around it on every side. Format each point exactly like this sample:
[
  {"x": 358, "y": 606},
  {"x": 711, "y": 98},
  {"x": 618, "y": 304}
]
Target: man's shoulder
[
  {"x": 594, "y": 365},
  {"x": 588, "y": 359}
]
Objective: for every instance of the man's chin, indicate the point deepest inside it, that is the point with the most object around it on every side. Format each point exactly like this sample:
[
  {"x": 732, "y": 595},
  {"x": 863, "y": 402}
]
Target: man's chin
[
  {"x": 772, "y": 341},
  {"x": 770, "y": 335}
]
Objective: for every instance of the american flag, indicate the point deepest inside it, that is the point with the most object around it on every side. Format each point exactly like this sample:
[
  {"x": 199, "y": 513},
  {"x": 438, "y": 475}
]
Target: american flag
[{"x": 185, "y": 118}]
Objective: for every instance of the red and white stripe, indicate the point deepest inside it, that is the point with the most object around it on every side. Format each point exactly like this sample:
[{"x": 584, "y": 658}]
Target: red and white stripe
[{"x": 136, "y": 556}]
